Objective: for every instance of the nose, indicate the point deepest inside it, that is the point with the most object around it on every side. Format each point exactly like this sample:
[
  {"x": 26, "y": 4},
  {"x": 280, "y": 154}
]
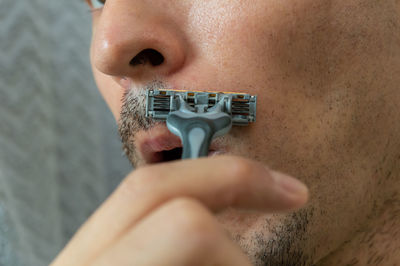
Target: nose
[{"x": 137, "y": 40}]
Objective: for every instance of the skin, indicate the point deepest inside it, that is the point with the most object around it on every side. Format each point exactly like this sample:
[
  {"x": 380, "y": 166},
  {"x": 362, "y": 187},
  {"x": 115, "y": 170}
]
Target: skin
[{"x": 326, "y": 74}]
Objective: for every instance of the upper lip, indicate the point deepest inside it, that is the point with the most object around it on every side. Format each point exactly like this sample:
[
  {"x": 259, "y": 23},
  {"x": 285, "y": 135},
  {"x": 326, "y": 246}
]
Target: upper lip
[{"x": 153, "y": 142}]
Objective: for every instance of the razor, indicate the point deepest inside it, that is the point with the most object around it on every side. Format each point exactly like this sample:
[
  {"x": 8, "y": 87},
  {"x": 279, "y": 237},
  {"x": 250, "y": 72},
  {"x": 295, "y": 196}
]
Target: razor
[{"x": 197, "y": 117}]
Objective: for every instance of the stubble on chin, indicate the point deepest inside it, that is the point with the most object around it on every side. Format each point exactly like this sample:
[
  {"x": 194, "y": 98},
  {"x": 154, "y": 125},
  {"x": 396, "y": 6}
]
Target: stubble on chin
[{"x": 279, "y": 240}]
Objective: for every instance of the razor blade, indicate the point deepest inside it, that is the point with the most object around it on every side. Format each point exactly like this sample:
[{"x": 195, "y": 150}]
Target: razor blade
[{"x": 199, "y": 117}]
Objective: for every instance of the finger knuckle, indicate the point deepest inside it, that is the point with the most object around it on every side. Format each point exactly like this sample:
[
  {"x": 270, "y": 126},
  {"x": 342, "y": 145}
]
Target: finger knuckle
[{"x": 240, "y": 169}]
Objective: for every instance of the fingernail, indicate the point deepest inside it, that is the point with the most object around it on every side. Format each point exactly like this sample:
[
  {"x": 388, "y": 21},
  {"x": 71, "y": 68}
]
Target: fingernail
[{"x": 289, "y": 184}]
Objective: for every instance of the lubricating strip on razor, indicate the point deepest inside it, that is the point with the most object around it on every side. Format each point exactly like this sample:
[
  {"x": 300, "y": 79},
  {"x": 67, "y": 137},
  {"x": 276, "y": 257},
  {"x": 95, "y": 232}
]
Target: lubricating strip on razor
[{"x": 199, "y": 117}]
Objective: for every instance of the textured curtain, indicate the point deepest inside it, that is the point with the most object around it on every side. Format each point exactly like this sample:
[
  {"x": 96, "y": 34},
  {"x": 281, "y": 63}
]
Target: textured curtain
[{"x": 60, "y": 155}]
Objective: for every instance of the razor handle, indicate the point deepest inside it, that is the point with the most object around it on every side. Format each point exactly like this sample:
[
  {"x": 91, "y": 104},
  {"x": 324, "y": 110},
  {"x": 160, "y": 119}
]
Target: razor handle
[{"x": 196, "y": 131}]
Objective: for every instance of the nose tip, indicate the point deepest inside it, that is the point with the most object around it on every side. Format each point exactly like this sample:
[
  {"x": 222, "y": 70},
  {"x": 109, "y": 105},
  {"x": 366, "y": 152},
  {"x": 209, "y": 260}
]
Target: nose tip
[
  {"x": 117, "y": 57},
  {"x": 146, "y": 50}
]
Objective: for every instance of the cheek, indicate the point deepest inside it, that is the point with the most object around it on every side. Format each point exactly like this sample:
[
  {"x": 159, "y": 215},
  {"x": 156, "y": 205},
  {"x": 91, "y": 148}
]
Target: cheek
[{"x": 111, "y": 92}]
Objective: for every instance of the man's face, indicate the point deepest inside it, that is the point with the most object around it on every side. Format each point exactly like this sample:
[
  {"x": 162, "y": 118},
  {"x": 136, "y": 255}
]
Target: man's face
[{"x": 325, "y": 73}]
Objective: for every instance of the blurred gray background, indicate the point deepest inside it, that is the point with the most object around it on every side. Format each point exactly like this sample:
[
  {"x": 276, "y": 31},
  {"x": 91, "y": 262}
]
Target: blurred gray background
[{"x": 60, "y": 154}]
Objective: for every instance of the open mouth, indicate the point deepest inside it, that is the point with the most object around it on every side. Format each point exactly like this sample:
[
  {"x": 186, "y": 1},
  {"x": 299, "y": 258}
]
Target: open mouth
[
  {"x": 159, "y": 145},
  {"x": 175, "y": 154},
  {"x": 171, "y": 155}
]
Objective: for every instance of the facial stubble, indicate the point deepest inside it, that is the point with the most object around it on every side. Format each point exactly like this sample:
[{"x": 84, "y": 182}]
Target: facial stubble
[{"x": 278, "y": 245}]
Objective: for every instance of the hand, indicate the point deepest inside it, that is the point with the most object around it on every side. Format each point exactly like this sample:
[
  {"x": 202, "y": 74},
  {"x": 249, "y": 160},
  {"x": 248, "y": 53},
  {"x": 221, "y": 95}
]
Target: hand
[{"x": 163, "y": 214}]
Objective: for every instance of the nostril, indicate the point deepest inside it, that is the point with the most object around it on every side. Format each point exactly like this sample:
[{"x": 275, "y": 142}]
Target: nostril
[{"x": 147, "y": 56}]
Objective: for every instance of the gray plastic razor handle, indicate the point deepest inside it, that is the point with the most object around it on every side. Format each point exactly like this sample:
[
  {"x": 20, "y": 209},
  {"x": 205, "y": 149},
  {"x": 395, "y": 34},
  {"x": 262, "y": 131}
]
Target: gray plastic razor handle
[{"x": 197, "y": 130}]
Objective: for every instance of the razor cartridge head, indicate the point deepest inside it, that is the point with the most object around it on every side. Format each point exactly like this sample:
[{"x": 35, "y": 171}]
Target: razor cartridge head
[{"x": 239, "y": 106}]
